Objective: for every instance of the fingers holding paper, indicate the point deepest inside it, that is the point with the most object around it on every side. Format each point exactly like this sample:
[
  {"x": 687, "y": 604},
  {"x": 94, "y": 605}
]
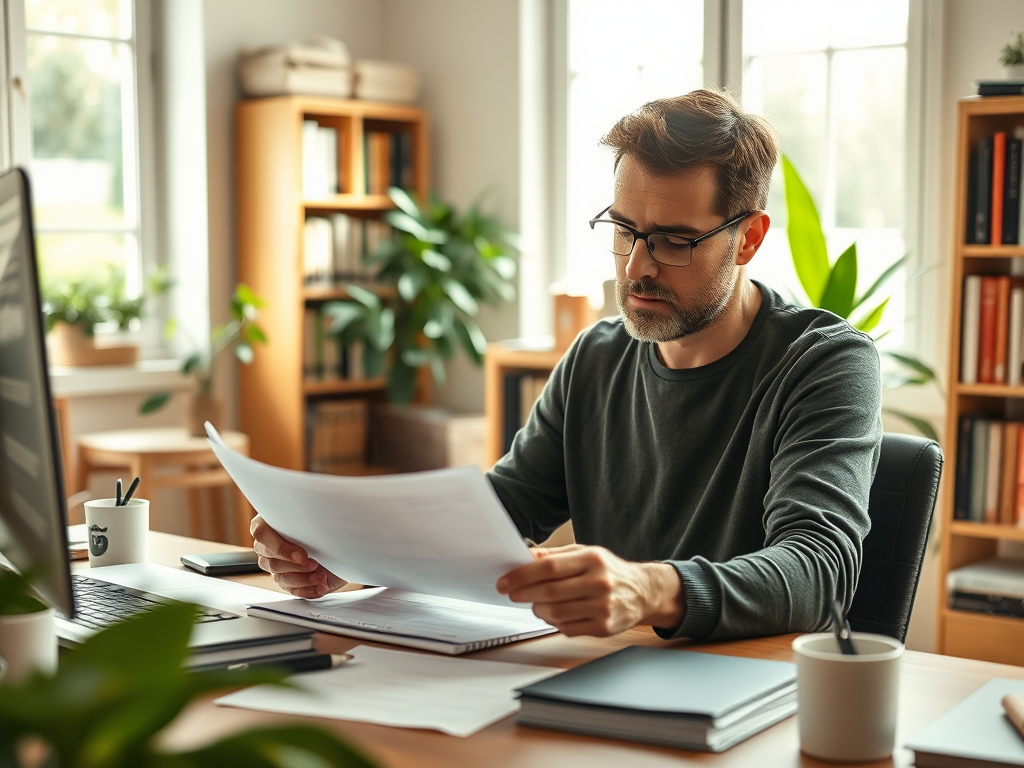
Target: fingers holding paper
[
  {"x": 586, "y": 590},
  {"x": 289, "y": 564}
]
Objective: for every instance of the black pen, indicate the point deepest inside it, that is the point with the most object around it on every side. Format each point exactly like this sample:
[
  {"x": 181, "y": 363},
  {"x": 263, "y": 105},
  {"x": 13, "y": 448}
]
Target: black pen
[
  {"x": 131, "y": 490},
  {"x": 118, "y": 504},
  {"x": 841, "y": 627},
  {"x": 310, "y": 663}
]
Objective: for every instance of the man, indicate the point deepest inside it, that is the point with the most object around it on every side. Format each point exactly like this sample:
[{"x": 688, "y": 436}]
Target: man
[{"x": 714, "y": 447}]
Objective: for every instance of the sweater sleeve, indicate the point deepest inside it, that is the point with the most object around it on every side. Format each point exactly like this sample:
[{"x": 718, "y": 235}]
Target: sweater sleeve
[
  {"x": 826, "y": 443},
  {"x": 530, "y": 478}
]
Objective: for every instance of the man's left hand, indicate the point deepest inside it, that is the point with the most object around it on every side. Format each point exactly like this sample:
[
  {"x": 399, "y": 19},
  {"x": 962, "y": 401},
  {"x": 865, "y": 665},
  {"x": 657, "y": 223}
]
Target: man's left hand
[{"x": 587, "y": 590}]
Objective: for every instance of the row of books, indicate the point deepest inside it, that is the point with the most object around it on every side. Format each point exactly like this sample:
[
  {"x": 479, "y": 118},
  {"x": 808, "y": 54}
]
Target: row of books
[
  {"x": 336, "y": 436},
  {"x": 521, "y": 390},
  {"x": 388, "y": 161},
  {"x": 335, "y": 248},
  {"x": 992, "y": 343},
  {"x": 989, "y": 471},
  {"x": 994, "y": 196},
  {"x": 994, "y": 586},
  {"x": 319, "y": 161},
  {"x": 323, "y": 356}
]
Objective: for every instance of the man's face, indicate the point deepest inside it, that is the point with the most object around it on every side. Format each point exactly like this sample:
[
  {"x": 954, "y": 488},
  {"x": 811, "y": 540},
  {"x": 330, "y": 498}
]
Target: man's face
[{"x": 663, "y": 303}]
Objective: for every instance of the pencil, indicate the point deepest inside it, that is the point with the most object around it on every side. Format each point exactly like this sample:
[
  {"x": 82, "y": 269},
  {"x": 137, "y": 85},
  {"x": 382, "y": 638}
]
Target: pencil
[{"x": 1013, "y": 705}]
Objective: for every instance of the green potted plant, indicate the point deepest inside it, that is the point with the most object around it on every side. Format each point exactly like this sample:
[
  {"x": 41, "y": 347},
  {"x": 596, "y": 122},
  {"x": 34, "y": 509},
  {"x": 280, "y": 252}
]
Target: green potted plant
[
  {"x": 28, "y": 635},
  {"x": 442, "y": 265},
  {"x": 833, "y": 286},
  {"x": 1012, "y": 57},
  {"x": 74, "y": 308},
  {"x": 239, "y": 335},
  {"x": 112, "y": 697}
]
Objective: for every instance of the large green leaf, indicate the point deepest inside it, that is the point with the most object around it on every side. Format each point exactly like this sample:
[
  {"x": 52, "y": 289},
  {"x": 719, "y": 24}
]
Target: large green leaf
[
  {"x": 401, "y": 383},
  {"x": 873, "y": 318},
  {"x": 806, "y": 239},
  {"x": 368, "y": 299},
  {"x": 460, "y": 297},
  {"x": 882, "y": 280},
  {"x": 404, "y": 201},
  {"x": 154, "y": 402},
  {"x": 842, "y": 284},
  {"x": 342, "y": 314},
  {"x": 914, "y": 364}
]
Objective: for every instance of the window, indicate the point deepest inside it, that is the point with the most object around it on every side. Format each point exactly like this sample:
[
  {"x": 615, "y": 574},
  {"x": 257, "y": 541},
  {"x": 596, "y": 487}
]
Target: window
[
  {"x": 80, "y": 61},
  {"x": 622, "y": 53},
  {"x": 835, "y": 87}
]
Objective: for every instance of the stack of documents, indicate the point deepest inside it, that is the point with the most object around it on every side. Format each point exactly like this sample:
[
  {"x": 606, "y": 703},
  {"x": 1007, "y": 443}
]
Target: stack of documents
[
  {"x": 664, "y": 696},
  {"x": 438, "y": 541}
]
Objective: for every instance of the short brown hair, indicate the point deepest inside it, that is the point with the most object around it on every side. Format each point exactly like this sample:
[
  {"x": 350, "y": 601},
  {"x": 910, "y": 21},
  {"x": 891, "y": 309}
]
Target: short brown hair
[{"x": 702, "y": 128}]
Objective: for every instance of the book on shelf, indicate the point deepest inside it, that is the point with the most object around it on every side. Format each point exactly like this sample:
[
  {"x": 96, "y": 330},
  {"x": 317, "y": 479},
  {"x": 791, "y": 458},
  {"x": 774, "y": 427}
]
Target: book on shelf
[
  {"x": 998, "y": 174},
  {"x": 990, "y": 471},
  {"x": 338, "y": 435},
  {"x": 979, "y": 229},
  {"x": 319, "y": 161},
  {"x": 992, "y": 335},
  {"x": 325, "y": 356},
  {"x": 335, "y": 248},
  {"x": 521, "y": 390},
  {"x": 1011, "y": 191},
  {"x": 664, "y": 696},
  {"x": 1000, "y": 87},
  {"x": 387, "y": 161}
]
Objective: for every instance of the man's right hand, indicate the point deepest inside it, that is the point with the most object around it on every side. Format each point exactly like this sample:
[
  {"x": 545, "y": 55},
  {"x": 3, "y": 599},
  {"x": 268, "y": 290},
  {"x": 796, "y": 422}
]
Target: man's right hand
[{"x": 293, "y": 570}]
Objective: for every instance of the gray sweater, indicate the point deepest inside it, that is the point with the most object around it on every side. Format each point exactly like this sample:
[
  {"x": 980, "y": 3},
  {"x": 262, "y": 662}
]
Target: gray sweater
[{"x": 749, "y": 475}]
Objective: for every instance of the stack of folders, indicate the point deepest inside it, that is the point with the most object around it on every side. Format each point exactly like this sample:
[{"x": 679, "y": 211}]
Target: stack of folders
[
  {"x": 664, "y": 696},
  {"x": 973, "y": 734}
]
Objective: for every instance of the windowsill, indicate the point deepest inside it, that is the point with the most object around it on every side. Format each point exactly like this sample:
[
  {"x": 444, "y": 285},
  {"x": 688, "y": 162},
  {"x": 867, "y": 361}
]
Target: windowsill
[{"x": 144, "y": 376}]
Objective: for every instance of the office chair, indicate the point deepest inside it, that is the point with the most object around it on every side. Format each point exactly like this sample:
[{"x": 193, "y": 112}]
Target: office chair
[{"x": 900, "y": 507}]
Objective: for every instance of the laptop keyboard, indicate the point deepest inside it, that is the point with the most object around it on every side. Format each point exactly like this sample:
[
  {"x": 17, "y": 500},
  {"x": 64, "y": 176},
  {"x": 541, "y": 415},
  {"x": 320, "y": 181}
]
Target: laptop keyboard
[{"x": 98, "y": 604}]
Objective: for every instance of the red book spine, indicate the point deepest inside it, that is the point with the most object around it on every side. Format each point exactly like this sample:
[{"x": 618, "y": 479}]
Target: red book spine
[
  {"x": 998, "y": 174},
  {"x": 1002, "y": 328},
  {"x": 987, "y": 334}
]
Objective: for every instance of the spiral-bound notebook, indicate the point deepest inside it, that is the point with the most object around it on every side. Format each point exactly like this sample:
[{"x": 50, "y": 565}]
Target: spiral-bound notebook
[{"x": 440, "y": 624}]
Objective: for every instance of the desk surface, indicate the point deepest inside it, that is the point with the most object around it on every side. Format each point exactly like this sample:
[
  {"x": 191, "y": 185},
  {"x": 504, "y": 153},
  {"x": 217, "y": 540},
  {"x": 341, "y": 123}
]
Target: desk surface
[{"x": 930, "y": 685}]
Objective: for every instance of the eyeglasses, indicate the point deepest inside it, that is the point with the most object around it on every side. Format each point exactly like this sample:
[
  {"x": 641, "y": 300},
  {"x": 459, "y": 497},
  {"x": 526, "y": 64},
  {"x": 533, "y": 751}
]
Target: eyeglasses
[{"x": 665, "y": 247}]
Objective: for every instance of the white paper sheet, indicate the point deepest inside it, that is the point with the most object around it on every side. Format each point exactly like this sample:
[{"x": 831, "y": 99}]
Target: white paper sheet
[
  {"x": 442, "y": 532},
  {"x": 408, "y": 690}
]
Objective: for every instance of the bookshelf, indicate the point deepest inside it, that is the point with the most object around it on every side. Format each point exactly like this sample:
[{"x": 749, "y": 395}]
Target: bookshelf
[
  {"x": 962, "y": 633},
  {"x": 271, "y": 215}
]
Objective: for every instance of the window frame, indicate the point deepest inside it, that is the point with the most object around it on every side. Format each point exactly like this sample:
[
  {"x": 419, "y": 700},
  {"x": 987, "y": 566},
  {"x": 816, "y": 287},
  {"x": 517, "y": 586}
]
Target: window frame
[
  {"x": 18, "y": 146},
  {"x": 723, "y": 64}
]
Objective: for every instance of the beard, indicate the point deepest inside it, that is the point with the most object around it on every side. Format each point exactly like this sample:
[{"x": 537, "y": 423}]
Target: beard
[{"x": 702, "y": 311}]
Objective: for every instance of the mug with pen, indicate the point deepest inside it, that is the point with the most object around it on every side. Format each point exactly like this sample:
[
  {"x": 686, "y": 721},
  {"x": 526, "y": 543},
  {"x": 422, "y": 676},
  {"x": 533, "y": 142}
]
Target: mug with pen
[{"x": 117, "y": 528}]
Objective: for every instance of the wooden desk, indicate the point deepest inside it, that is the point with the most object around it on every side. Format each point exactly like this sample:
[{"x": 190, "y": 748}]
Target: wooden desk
[{"x": 930, "y": 685}]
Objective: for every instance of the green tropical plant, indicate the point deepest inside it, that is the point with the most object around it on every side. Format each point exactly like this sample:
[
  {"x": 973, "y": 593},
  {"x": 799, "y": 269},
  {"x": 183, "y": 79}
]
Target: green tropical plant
[
  {"x": 90, "y": 302},
  {"x": 833, "y": 286},
  {"x": 239, "y": 334},
  {"x": 1012, "y": 54},
  {"x": 113, "y": 696},
  {"x": 16, "y": 594},
  {"x": 443, "y": 266}
]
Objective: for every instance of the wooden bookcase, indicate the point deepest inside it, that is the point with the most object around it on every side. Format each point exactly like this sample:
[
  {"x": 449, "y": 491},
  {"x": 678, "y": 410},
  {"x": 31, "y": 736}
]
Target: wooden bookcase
[
  {"x": 960, "y": 633},
  {"x": 270, "y": 214}
]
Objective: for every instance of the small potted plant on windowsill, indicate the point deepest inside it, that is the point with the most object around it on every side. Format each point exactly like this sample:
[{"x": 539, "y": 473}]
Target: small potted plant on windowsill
[
  {"x": 239, "y": 334},
  {"x": 73, "y": 310}
]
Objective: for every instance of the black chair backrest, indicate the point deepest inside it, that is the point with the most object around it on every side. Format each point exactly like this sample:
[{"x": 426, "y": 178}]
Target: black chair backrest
[{"x": 902, "y": 500}]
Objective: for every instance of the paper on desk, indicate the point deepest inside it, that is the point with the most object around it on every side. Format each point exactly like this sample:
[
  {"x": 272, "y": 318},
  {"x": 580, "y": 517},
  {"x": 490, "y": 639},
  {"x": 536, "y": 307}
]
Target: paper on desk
[
  {"x": 442, "y": 532},
  {"x": 408, "y": 690}
]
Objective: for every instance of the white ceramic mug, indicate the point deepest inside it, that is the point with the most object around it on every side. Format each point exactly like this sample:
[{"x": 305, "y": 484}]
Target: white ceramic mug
[
  {"x": 847, "y": 704},
  {"x": 28, "y": 643},
  {"x": 117, "y": 534}
]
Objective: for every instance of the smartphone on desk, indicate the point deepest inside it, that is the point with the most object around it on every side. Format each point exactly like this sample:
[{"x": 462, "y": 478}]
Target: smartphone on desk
[{"x": 223, "y": 563}]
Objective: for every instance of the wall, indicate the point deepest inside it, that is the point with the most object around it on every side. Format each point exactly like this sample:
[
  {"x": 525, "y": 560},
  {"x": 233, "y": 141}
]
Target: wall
[
  {"x": 467, "y": 54},
  {"x": 973, "y": 32}
]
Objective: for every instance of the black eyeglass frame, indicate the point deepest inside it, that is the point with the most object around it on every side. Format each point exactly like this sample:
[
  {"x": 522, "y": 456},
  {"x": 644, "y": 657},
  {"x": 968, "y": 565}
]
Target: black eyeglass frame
[{"x": 691, "y": 241}]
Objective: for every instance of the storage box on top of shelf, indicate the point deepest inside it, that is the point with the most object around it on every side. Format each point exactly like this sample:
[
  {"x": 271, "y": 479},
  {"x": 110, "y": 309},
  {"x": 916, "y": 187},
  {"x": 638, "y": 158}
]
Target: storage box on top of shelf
[
  {"x": 317, "y": 67},
  {"x": 415, "y": 438},
  {"x": 386, "y": 81}
]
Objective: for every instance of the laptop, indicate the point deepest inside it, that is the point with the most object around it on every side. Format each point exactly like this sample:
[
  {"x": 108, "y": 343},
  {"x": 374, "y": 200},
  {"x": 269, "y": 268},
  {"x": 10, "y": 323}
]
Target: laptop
[{"x": 33, "y": 528}]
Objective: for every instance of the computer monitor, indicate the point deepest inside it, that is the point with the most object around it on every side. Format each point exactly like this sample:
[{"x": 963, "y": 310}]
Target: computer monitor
[{"x": 33, "y": 528}]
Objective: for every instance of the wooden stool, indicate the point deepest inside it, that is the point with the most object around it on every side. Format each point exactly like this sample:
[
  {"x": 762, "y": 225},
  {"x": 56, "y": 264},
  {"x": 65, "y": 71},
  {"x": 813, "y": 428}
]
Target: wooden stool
[{"x": 148, "y": 453}]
